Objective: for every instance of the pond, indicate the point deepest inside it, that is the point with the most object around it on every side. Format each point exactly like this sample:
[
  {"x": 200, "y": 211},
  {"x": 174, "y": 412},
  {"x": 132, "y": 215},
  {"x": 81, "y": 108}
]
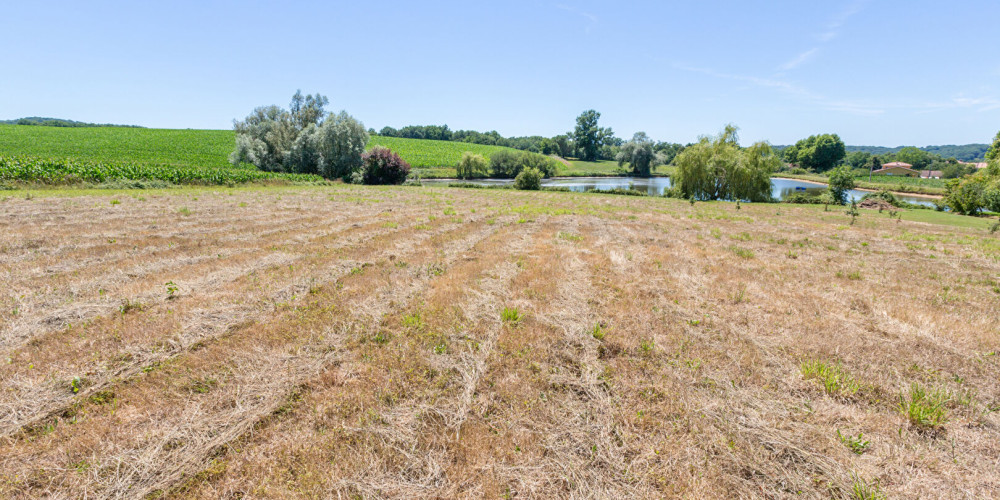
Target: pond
[{"x": 655, "y": 186}]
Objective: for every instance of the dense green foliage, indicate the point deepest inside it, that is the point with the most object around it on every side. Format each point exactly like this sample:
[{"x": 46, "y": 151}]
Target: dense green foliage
[
  {"x": 302, "y": 139},
  {"x": 589, "y": 137},
  {"x": 972, "y": 194},
  {"x": 816, "y": 152},
  {"x": 529, "y": 178},
  {"x": 716, "y": 168},
  {"x": 58, "y": 122},
  {"x": 639, "y": 154},
  {"x": 382, "y": 166},
  {"x": 508, "y": 163},
  {"x": 993, "y": 153},
  {"x": 841, "y": 181},
  {"x": 66, "y": 171},
  {"x": 472, "y": 166}
]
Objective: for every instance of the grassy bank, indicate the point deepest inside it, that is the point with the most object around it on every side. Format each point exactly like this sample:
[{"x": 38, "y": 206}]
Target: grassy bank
[{"x": 889, "y": 183}]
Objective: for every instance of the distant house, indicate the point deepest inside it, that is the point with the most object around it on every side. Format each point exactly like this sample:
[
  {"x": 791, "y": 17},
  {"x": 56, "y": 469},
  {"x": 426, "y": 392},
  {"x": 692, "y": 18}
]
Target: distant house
[
  {"x": 978, "y": 165},
  {"x": 897, "y": 168},
  {"x": 930, "y": 174}
]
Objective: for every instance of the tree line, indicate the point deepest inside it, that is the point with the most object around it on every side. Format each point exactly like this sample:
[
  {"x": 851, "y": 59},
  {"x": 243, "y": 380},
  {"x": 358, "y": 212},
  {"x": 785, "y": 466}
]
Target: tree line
[
  {"x": 59, "y": 122},
  {"x": 821, "y": 153},
  {"x": 588, "y": 141}
]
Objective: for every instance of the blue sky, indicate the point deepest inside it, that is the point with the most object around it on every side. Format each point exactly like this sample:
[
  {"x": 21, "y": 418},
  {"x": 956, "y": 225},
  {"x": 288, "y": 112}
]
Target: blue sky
[{"x": 876, "y": 72}]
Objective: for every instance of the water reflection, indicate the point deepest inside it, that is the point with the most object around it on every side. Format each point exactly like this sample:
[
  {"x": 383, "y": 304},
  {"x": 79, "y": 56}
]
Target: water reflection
[{"x": 655, "y": 186}]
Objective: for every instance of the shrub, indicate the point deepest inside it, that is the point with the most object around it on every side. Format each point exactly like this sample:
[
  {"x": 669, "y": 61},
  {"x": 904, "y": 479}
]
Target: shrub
[
  {"x": 807, "y": 199},
  {"x": 529, "y": 178},
  {"x": 547, "y": 166},
  {"x": 508, "y": 164},
  {"x": 965, "y": 196},
  {"x": 383, "y": 166},
  {"x": 841, "y": 181},
  {"x": 884, "y": 196},
  {"x": 472, "y": 166},
  {"x": 505, "y": 164}
]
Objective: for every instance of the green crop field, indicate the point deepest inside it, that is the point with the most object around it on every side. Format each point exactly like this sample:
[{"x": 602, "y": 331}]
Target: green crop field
[
  {"x": 192, "y": 149},
  {"x": 202, "y": 148},
  {"x": 70, "y": 171},
  {"x": 421, "y": 153}
]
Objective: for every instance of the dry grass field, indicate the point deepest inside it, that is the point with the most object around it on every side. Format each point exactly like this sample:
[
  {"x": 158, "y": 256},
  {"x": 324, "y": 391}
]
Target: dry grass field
[{"x": 433, "y": 342}]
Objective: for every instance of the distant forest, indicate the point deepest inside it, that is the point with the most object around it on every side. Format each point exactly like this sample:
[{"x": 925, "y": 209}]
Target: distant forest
[
  {"x": 59, "y": 122},
  {"x": 965, "y": 152}
]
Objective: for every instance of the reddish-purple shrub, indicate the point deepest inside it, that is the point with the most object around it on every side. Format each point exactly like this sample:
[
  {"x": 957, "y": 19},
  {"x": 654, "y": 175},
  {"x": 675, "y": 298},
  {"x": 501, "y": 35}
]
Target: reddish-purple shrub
[{"x": 383, "y": 166}]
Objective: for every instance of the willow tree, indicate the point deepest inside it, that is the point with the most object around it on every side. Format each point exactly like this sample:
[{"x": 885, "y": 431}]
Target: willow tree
[
  {"x": 305, "y": 139},
  {"x": 717, "y": 168},
  {"x": 639, "y": 154}
]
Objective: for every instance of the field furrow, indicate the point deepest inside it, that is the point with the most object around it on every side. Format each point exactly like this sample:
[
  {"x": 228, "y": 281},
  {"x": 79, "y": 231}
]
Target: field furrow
[{"x": 434, "y": 342}]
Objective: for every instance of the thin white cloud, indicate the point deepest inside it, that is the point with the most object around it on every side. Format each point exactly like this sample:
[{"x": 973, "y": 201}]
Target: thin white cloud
[
  {"x": 832, "y": 31},
  {"x": 801, "y": 93},
  {"x": 587, "y": 15},
  {"x": 980, "y": 103},
  {"x": 838, "y": 21},
  {"x": 799, "y": 59}
]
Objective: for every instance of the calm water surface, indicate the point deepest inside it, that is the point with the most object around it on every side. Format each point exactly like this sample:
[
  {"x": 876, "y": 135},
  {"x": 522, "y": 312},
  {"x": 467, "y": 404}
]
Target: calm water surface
[{"x": 655, "y": 186}]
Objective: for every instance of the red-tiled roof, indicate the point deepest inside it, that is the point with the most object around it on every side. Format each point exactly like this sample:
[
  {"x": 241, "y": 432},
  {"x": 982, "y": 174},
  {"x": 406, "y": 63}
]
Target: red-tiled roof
[{"x": 897, "y": 164}]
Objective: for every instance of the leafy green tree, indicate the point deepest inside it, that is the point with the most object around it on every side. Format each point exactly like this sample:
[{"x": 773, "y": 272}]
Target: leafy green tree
[
  {"x": 639, "y": 154},
  {"x": 716, "y": 168},
  {"x": 472, "y": 166},
  {"x": 589, "y": 137},
  {"x": 264, "y": 137},
  {"x": 565, "y": 144},
  {"x": 916, "y": 157},
  {"x": 339, "y": 143},
  {"x": 505, "y": 164},
  {"x": 667, "y": 151},
  {"x": 817, "y": 152},
  {"x": 841, "y": 181},
  {"x": 994, "y": 152},
  {"x": 303, "y": 139},
  {"x": 859, "y": 159},
  {"x": 307, "y": 110}
]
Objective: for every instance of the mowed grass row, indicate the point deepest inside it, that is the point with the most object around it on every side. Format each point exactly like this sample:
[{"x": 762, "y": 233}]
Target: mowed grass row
[{"x": 429, "y": 342}]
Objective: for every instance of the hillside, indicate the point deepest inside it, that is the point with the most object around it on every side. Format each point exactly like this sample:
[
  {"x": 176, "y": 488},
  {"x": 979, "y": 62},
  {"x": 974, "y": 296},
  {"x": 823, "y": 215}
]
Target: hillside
[
  {"x": 58, "y": 122},
  {"x": 205, "y": 148},
  {"x": 401, "y": 342},
  {"x": 965, "y": 152}
]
